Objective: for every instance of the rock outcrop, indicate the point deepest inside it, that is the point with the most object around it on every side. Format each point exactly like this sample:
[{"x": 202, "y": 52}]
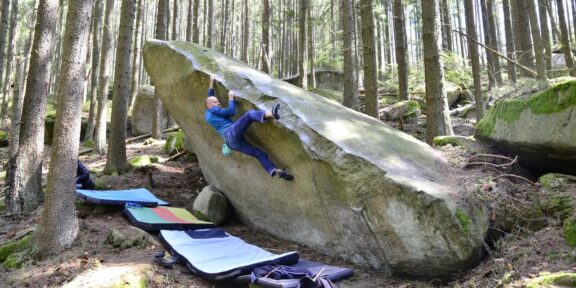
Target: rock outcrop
[
  {"x": 540, "y": 129},
  {"x": 143, "y": 111},
  {"x": 363, "y": 191}
]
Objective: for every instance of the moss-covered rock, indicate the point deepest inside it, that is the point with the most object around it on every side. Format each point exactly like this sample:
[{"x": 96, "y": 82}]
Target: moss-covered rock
[
  {"x": 211, "y": 205},
  {"x": 447, "y": 140},
  {"x": 142, "y": 160},
  {"x": 408, "y": 111},
  {"x": 174, "y": 142},
  {"x": 363, "y": 191},
  {"x": 14, "y": 253},
  {"x": 569, "y": 230},
  {"x": 539, "y": 128},
  {"x": 560, "y": 279}
]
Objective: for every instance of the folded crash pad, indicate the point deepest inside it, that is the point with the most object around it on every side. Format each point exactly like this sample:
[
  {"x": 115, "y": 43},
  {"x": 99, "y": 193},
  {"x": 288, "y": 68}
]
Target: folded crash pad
[
  {"x": 216, "y": 255},
  {"x": 332, "y": 273},
  {"x": 163, "y": 218},
  {"x": 120, "y": 197}
]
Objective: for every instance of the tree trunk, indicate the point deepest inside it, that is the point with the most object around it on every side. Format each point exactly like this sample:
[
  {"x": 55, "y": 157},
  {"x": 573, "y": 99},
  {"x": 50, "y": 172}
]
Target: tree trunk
[
  {"x": 401, "y": 47},
  {"x": 538, "y": 46},
  {"x": 474, "y": 57},
  {"x": 3, "y": 29},
  {"x": 195, "y": 28},
  {"x": 565, "y": 43},
  {"x": 266, "y": 37},
  {"x": 210, "y": 27},
  {"x": 302, "y": 71},
  {"x": 350, "y": 94},
  {"x": 17, "y": 103},
  {"x": 134, "y": 83},
  {"x": 489, "y": 56},
  {"x": 310, "y": 28},
  {"x": 58, "y": 226},
  {"x": 438, "y": 120},
  {"x": 189, "y": 20},
  {"x": 509, "y": 40},
  {"x": 104, "y": 81},
  {"x": 493, "y": 41},
  {"x": 446, "y": 26},
  {"x": 245, "y": 34},
  {"x": 25, "y": 172},
  {"x": 9, "y": 56},
  {"x": 96, "y": 29},
  {"x": 161, "y": 27},
  {"x": 116, "y": 159},
  {"x": 545, "y": 29},
  {"x": 174, "y": 35},
  {"x": 523, "y": 35},
  {"x": 370, "y": 63}
]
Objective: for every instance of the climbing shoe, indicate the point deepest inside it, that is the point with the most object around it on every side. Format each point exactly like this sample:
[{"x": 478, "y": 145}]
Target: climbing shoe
[
  {"x": 275, "y": 111},
  {"x": 283, "y": 174}
]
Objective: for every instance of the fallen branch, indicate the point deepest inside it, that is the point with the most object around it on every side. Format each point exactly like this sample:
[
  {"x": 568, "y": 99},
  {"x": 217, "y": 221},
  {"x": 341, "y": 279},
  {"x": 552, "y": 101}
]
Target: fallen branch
[
  {"x": 89, "y": 150},
  {"x": 532, "y": 72},
  {"x": 515, "y": 176},
  {"x": 461, "y": 109},
  {"x": 491, "y": 155},
  {"x": 493, "y": 165},
  {"x": 176, "y": 156}
]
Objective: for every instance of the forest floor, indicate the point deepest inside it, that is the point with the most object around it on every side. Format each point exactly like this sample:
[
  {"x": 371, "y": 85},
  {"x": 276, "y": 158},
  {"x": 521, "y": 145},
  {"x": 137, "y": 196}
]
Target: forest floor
[{"x": 521, "y": 254}]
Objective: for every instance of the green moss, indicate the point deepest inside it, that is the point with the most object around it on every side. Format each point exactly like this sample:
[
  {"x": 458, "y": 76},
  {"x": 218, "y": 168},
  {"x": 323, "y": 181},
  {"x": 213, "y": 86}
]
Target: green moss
[
  {"x": 13, "y": 254},
  {"x": 570, "y": 231},
  {"x": 551, "y": 180},
  {"x": 88, "y": 144},
  {"x": 464, "y": 220},
  {"x": 445, "y": 140},
  {"x": 553, "y": 100},
  {"x": 174, "y": 142},
  {"x": 412, "y": 109},
  {"x": 142, "y": 160},
  {"x": 561, "y": 279},
  {"x": 2, "y": 207},
  {"x": 560, "y": 207}
]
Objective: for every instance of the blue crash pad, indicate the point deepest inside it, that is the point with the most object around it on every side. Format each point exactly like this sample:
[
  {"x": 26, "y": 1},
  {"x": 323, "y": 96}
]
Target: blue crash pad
[
  {"x": 120, "y": 197},
  {"x": 216, "y": 255}
]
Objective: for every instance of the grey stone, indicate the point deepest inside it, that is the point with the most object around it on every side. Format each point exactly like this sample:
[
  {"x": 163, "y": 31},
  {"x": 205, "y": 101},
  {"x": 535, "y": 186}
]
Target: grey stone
[
  {"x": 363, "y": 191},
  {"x": 143, "y": 111},
  {"x": 211, "y": 205}
]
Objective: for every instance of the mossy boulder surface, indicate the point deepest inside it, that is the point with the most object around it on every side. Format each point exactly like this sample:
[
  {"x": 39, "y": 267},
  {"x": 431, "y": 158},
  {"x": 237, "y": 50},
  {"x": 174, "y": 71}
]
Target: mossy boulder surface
[
  {"x": 541, "y": 128},
  {"x": 363, "y": 191}
]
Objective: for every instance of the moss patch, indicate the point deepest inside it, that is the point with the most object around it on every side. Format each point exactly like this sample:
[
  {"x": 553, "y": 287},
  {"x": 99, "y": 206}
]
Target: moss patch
[
  {"x": 412, "y": 109},
  {"x": 553, "y": 100},
  {"x": 13, "y": 254},
  {"x": 570, "y": 231},
  {"x": 464, "y": 220},
  {"x": 2, "y": 207},
  {"x": 562, "y": 279},
  {"x": 552, "y": 180},
  {"x": 4, "y": 139},
  {"x": 142, "y": 160},
  {"x": 445, "y": 140},
  {"x": 174, "y": 142}
]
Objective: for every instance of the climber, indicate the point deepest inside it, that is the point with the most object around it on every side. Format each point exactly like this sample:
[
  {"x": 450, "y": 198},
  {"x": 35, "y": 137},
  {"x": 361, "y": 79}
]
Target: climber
[
  {"x": 233, "y": 131},
  {"x": 83, "y": 180}
]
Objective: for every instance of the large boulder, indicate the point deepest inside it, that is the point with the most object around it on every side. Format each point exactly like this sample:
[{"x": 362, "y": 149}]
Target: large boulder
[
  {"x": 143, "y": 111},
  {"x": 539, "y": 128},
  {"x": 363, "y": 191}
]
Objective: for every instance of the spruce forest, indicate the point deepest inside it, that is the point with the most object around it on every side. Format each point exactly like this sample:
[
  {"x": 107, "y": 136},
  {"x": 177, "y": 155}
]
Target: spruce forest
[{"x": 226, "y": 143}]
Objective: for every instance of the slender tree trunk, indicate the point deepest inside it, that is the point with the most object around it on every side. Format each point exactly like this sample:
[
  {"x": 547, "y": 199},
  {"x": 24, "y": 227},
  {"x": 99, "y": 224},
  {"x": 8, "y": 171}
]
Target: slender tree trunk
[
  {"x": 545, "y": 29},
  {"x": 96, "y": 43},
  {"x": 350, "y": 99},
  {"x": 538, "y": 46},
  {"x": 116, "y": 158},
  {"x": 566, "y": 49},
  {"x": 523, "y": 35},
  {"x": 310, "y": 28},
  {"x": 25, "y": 172},
  {"x": 401, "y": 47},
  {"x": 438, "y": 120},
  {"x": 493, "y": 42},
  {"x": 245, "y": 33},
  {"x": 509, "y": 39},
  {"x": 474, "y": 57},
  {"x": 104, "y": 80},
  {"x": 9, "y": 56},
  {"x": 175, "y": 20},
  {"x": 189, "y": 21},
  {"x": 446, "y": 26},
  {"x": 4, "y": 20},
  {"x": 370, "y": 63},
  {"x": 302, "y": 71},
  {"x": 17, "y": 103},
  {"x": 58, "y": 226},
  {"x": 161, "y": 27},
  {"x": 210, "y": 26},
  {"x": 195, "y": 28},
  {"x": 489, "y": 56},
  {"x": 266, "y": 37},
  {"x": 134, "y": 83}
]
